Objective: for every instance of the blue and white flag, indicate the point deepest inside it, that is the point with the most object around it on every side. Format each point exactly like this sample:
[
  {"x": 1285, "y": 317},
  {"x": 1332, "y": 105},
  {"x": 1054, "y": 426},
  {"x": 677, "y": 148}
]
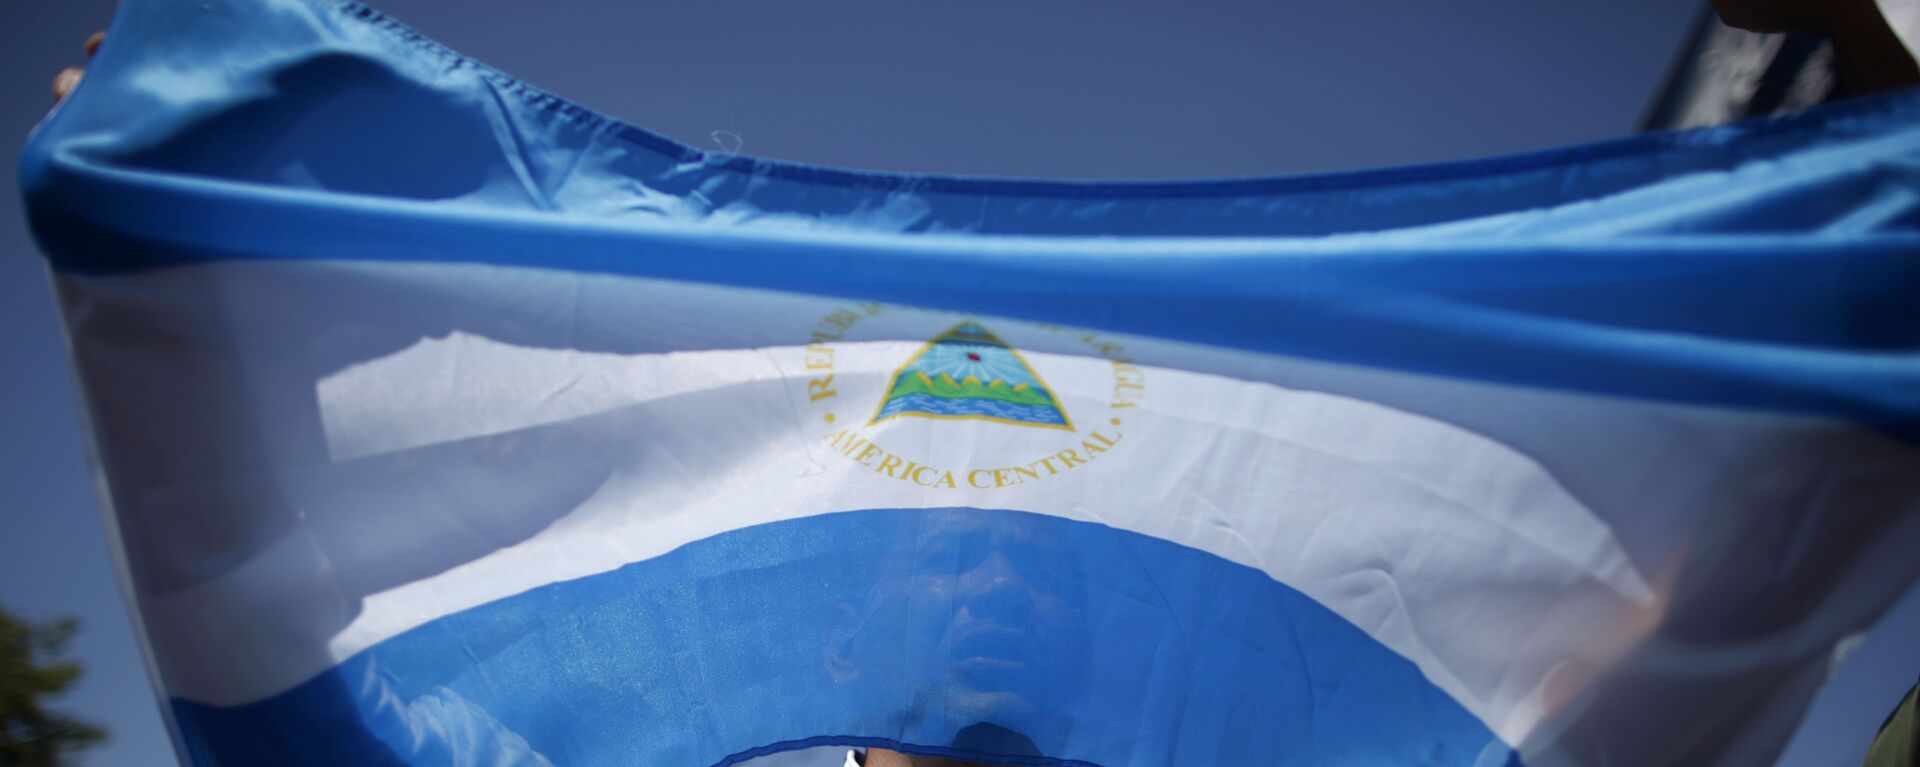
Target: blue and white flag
[{"x": 442, "y": 421}]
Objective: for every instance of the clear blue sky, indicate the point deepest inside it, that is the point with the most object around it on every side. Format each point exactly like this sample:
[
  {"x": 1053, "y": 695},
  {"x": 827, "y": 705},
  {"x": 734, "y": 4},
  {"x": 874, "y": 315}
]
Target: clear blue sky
[{"x": 1080, "y": 88}]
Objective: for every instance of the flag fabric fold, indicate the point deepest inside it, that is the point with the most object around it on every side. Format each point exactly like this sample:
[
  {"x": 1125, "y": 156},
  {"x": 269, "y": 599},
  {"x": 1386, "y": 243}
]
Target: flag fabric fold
[{"x": 442, "y": 421}]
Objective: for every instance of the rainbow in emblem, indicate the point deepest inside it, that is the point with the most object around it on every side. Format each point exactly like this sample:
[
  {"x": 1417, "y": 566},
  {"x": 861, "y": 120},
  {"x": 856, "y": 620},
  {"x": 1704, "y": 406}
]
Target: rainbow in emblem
[{"x": 968, "y": 372}]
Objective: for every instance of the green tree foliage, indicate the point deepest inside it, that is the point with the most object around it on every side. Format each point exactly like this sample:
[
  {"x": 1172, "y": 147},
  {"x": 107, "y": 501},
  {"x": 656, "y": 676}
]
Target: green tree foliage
[
  {"x": 30, "y": 673},
  {"x": 1898, "y": 744}
]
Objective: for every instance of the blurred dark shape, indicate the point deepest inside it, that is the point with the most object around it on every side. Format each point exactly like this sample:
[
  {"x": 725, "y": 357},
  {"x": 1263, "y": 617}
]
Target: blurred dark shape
[
  {"x": 31, "y": 735},
  {"x": 1898, "y": 744},
  {"x": 989, "y": 738},
  {"x": 1725, "y": 75}
]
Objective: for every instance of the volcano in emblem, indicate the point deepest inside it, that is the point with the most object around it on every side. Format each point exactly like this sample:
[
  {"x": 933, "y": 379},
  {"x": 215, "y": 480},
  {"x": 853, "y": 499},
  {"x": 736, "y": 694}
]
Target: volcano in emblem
[{"x": 968, "y": 372}]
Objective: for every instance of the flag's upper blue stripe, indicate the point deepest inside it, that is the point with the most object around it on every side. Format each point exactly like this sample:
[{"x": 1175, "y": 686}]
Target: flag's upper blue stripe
[{"x": 1767, "y": 265}]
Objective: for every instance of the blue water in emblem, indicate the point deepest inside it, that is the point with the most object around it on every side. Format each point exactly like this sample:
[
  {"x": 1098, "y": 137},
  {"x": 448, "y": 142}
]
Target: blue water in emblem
[{"x": 923, "y": 403}]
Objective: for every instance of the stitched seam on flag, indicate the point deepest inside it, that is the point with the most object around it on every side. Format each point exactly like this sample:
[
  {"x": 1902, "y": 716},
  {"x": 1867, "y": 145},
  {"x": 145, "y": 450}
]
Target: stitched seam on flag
[{"x": 1815, "y": 120}]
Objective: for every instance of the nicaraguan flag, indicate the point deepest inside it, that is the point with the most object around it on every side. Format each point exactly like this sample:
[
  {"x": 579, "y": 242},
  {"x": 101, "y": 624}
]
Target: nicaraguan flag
[{"x": 443, "y": 421}]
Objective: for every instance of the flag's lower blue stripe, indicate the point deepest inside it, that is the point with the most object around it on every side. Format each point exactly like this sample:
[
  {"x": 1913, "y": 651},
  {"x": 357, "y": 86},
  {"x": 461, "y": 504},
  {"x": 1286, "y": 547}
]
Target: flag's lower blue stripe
[{"x": 959, "y": 630}]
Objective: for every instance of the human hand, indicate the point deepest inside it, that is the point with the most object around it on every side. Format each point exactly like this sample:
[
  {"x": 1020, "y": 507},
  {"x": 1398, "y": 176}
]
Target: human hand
[
  {"x": 68, "y": 78},
  {"x": 1868, "y": 54}
]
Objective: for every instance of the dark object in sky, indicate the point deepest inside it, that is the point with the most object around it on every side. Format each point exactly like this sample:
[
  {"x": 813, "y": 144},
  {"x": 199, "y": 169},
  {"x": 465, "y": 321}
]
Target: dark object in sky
[{"x": 1726, "y": 74}]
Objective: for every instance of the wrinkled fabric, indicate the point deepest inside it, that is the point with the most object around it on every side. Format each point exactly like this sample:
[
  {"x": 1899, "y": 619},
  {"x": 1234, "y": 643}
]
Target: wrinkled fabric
[{"x": 442, "y": 421}]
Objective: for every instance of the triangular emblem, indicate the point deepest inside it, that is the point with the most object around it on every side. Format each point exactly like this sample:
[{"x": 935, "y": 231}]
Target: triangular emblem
[{"x": 968, "y": 372}]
